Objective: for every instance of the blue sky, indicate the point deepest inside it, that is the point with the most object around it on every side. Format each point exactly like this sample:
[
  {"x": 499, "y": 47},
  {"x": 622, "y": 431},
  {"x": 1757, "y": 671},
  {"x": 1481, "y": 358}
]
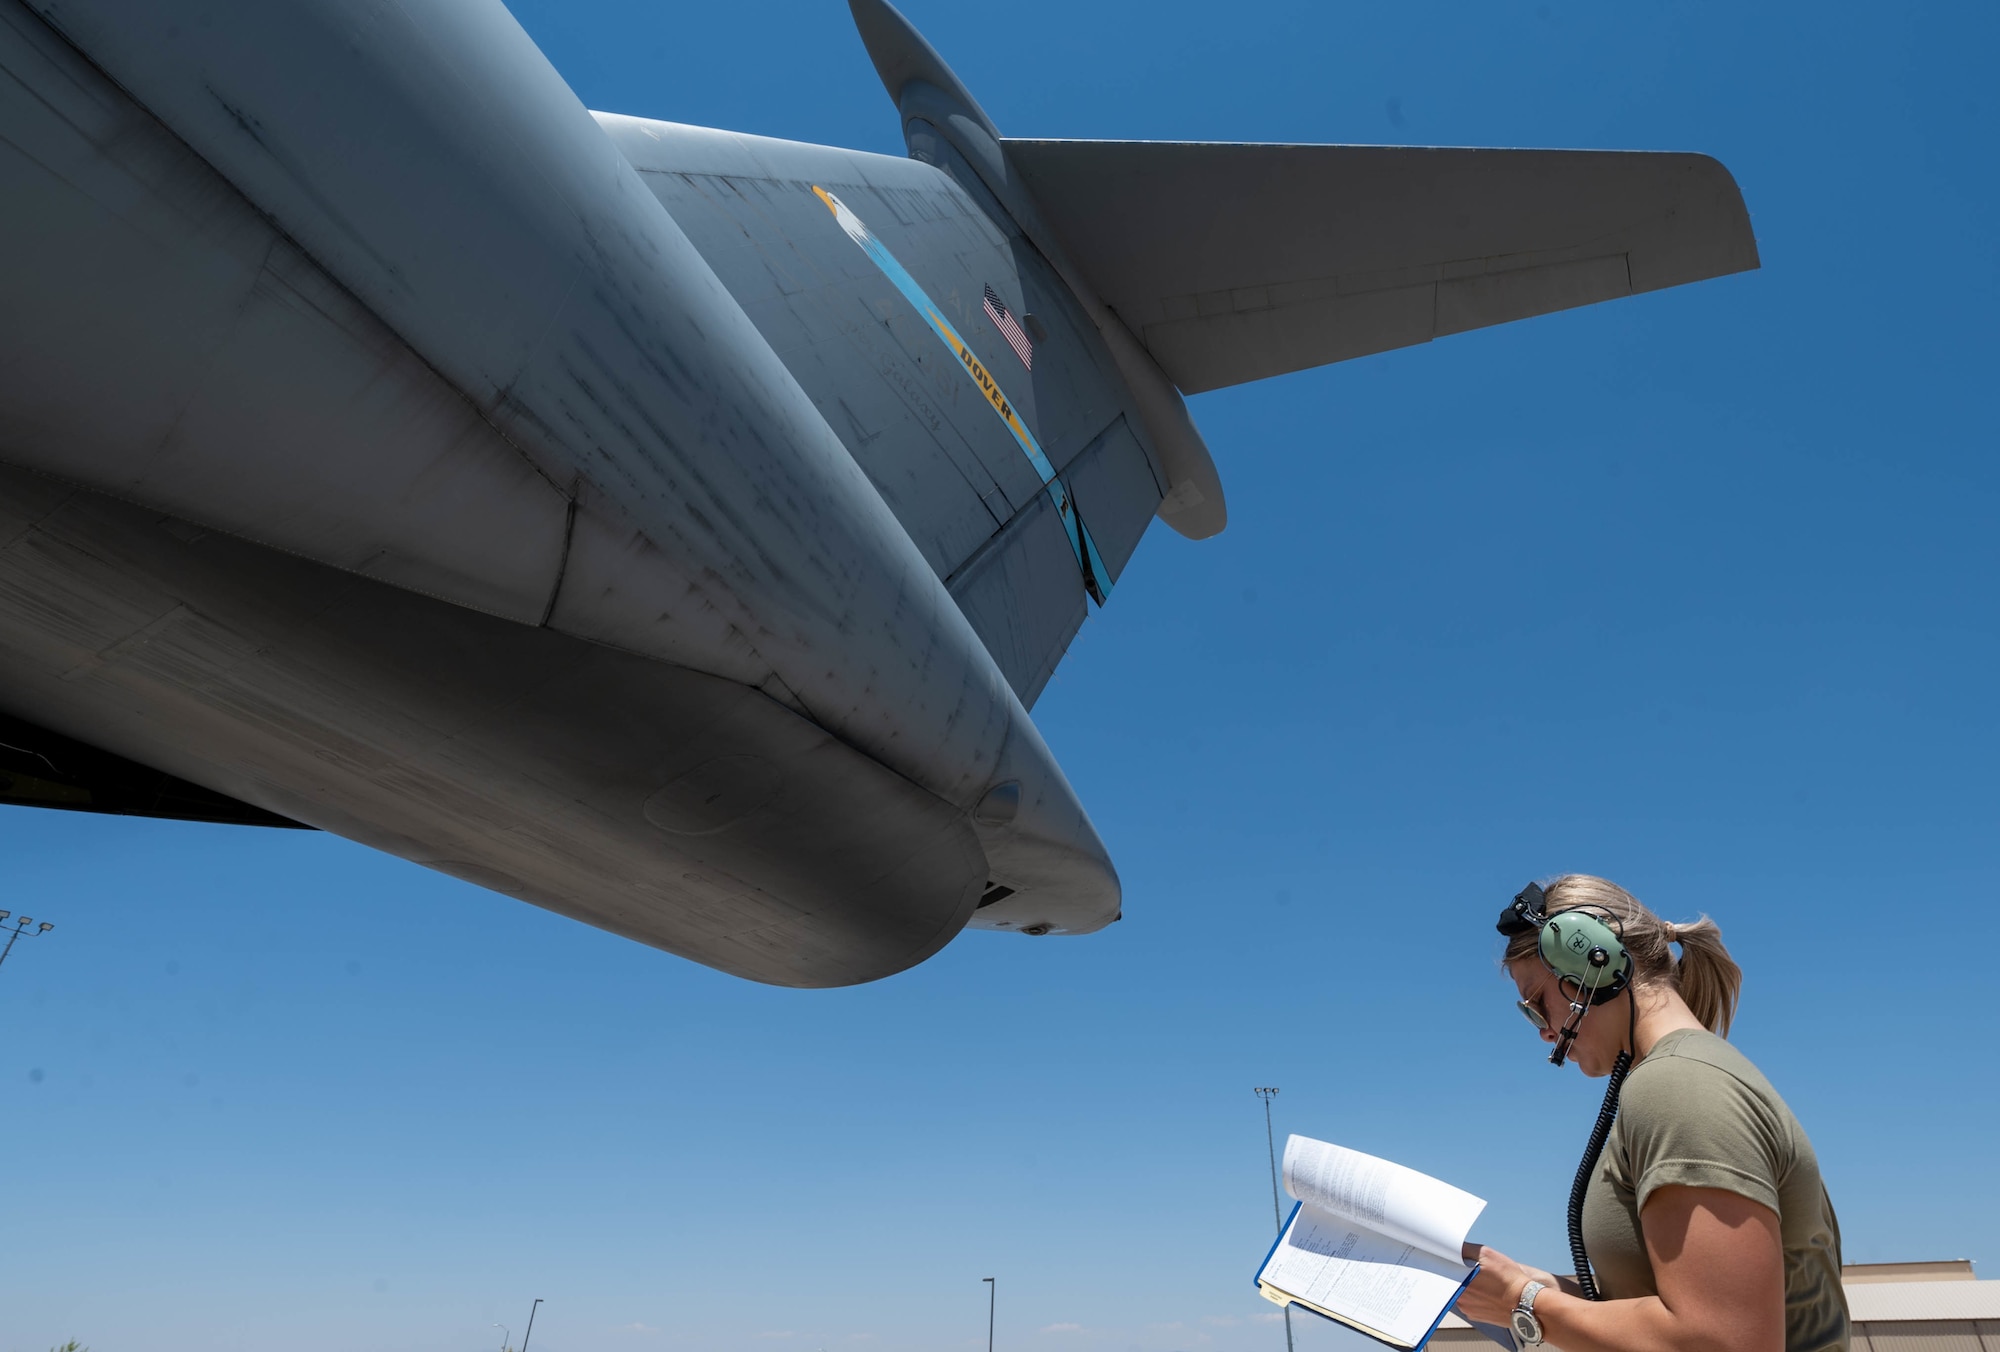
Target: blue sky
[{"x": 1693, "y": 589}]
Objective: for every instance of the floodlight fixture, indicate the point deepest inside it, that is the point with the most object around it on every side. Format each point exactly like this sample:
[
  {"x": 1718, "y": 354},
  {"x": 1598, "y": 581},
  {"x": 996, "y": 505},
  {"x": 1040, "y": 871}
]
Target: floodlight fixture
[{"x": 18, "y": 926}]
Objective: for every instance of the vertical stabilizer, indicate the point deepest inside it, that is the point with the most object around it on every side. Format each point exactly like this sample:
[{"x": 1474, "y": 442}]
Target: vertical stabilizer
[{"x": 901, "y": 55}]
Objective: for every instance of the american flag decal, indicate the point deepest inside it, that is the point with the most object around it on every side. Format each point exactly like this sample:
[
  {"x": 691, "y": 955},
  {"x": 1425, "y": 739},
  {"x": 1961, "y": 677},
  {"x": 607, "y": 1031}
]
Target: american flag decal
[{"x": 1003, "y": 320}]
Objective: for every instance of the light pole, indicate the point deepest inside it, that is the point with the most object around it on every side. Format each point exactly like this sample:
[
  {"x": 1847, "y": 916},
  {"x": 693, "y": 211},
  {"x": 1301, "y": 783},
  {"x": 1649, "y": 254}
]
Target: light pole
[
  {"x": 506, "y": 1336},
  {"x": 992, "y": 1295},
  {"x": 1277, "y": 1212},
  {"x": 17, "y": 929},
  {"x": 531, "y": 1323}
]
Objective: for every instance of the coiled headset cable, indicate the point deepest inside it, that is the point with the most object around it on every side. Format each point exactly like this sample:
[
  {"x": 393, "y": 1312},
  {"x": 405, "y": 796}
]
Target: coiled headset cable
[{"x": 1599, "y": 1133}]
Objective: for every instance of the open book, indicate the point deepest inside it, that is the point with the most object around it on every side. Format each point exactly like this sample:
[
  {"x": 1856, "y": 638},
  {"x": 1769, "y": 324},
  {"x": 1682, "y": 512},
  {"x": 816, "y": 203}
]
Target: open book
[{"x": 1371, "y": 1244}]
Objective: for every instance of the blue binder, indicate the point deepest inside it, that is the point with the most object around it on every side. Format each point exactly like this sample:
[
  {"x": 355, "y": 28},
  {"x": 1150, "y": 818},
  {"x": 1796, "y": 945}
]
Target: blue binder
[{"x": 1489, "y": 1330}]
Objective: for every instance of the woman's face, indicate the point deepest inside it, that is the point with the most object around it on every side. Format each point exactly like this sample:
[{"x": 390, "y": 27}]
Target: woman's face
[{"x": 1603, "y": 1034}]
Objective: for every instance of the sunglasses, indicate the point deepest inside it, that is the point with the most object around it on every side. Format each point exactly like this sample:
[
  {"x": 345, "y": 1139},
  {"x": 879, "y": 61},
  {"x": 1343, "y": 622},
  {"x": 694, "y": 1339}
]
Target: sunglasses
[{"x": 1534, "y": 1013}]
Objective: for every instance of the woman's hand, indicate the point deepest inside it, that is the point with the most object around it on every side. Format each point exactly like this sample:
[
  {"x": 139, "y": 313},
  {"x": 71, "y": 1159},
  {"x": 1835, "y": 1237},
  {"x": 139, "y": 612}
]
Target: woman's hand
[{"x": 1496, "y": 1288}]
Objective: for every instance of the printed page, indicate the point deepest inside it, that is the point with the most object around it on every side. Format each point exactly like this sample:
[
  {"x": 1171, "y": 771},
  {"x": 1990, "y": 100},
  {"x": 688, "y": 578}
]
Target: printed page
[
  {"x": 1387, "y": 1198},
  {"x": 1388, "y": 1286}
]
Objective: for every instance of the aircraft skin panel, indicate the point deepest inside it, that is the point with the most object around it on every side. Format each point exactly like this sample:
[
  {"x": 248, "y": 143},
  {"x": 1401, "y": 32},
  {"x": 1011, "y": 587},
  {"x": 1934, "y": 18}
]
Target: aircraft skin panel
[
  {"x": 860, "y": 348},
  {"x": 988, "y": 385},
  {"x": 672, "y": 807},
  {"x": 1236, "y": 262},
  {"x": 622, "y": 590},
  {"x": 253, "y": 394},
  {"x": 551, "y": 288},
  {"x": 728, "y": 611},
  {"x": 906, "y": 412},
  {"x": 1079, "y": 397},
  {"x": 1021, "y": 595},
  {"x": 772, "y": 234},
  {"x": 168, "y": 345},
  {"x": 1018, "y": 591},
  {"x": 1111, "y": 471},
  {"x": 915, "y": 458}
]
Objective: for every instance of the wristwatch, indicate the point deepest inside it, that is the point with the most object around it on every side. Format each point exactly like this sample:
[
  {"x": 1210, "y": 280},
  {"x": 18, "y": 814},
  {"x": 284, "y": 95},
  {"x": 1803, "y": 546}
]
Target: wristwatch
[{"x": 1527, "y": 1328}]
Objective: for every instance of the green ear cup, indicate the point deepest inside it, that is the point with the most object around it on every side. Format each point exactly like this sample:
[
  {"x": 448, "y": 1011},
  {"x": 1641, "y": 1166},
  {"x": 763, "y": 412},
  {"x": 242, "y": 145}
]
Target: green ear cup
[{"x": 1583, "y": 949}]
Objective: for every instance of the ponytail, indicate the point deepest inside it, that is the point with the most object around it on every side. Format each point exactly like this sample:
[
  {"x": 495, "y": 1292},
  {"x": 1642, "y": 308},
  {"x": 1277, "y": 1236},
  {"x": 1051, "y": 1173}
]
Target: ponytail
[{"x": 1705, "y": 975}]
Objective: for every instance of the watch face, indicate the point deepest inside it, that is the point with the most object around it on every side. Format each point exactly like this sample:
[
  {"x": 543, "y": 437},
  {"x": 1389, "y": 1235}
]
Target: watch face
[{"x": 1527, "y": 1328}]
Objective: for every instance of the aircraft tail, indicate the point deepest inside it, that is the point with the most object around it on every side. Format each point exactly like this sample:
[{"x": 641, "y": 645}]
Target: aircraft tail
[
  {"x": 944, "y": 125},
  {"x": 1003, "y": 346},
  {"x": 1229, "y": 263}
]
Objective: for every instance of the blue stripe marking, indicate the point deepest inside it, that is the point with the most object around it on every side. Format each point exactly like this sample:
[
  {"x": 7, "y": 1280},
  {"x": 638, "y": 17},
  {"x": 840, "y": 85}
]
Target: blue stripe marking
[{"x": 1096, "y": 577}]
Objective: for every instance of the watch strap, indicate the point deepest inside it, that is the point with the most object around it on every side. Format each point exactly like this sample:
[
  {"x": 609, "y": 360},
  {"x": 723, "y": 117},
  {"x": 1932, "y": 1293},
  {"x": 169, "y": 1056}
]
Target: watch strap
[{"x": 1527, "y": 1329}]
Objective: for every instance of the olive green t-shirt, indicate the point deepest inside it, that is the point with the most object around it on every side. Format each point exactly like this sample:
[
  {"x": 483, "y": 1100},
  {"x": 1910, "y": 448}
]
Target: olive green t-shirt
[{"x": 1696, "y": 1113}]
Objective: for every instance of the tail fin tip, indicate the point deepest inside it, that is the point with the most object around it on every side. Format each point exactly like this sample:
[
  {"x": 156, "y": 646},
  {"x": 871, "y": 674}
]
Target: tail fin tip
[{"x": 901, "y": 56}]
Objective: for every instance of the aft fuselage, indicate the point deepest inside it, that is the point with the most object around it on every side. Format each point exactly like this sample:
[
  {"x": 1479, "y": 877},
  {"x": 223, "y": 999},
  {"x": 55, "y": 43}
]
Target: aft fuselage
[{"x": 376, "y": 448}]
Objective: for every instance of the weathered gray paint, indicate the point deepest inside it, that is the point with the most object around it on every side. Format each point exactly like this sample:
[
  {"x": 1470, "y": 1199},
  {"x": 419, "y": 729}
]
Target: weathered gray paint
[
  {"x": 164, "y": 342},
  {"x": 1236, "y": 262},
  {"x": 563, "y": 502},
  {"x": 558, "y": 771},
  {"x": 549, "y": 285},
  {"x": 941, "y": 460},
  {"x": 940, "y": 128},
  {"x": 703, "y": 514}
]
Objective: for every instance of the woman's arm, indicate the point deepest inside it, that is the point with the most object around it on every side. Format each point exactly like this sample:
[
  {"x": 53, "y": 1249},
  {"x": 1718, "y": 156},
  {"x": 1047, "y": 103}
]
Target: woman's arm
[{"x": 1719, "y": 1265}]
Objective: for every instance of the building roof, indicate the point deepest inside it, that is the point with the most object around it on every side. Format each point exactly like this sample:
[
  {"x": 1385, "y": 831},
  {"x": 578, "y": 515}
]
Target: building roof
[
  {"x": 1933, "y": 1270},
  {"x": 1878, "y": 1302}
]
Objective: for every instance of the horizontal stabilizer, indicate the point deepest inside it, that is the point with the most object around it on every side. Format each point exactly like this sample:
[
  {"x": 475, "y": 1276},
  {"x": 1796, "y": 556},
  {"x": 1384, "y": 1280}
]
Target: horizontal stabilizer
[{"x": 1236, "y": 262}]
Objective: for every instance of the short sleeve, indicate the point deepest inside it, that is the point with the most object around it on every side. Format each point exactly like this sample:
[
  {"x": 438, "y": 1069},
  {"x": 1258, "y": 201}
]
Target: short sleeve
[{"x": 1688, "y": 1123}]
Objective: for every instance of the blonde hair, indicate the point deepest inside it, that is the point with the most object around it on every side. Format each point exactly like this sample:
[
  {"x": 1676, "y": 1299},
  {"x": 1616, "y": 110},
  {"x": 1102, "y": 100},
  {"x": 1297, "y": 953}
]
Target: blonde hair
[{"x": 1705, "y": 975}]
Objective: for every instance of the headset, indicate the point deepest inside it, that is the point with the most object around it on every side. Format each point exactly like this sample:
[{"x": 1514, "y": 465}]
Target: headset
[{"x": 1584, "y": 949}]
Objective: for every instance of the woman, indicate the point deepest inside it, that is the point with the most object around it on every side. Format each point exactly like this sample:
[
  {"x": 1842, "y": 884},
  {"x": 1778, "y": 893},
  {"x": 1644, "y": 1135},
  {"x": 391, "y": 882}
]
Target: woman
[{"x": 1706, "y": 1223}]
